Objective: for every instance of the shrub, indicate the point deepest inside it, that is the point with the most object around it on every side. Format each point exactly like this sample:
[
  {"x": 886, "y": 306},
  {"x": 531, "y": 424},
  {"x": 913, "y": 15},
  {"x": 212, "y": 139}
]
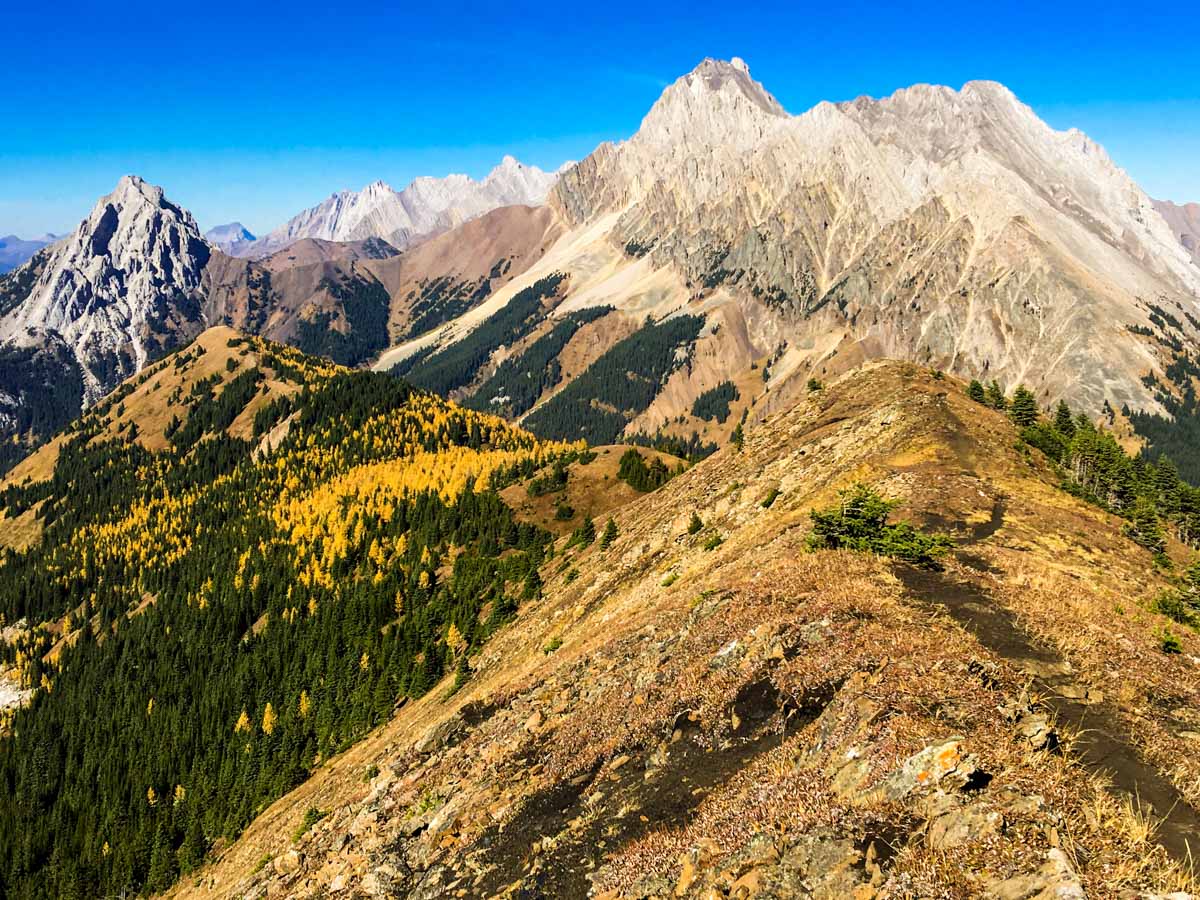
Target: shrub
[
  {"x": 671, "y": 578},
  {"x": 1168, "y": 642},
  {"x": 551, "y": 645},
  {"x": 564, "y": 511},
  {"x": 1172, "y": 605},
  {"x": 714, "y": 542},
  {"x": 770, "y": 498},
  {"x": 695, "y": 525},
  {"x": 814, "y": 385},
  {"x": 311, "y": 817},
  {"x": 859, "y": 522}
]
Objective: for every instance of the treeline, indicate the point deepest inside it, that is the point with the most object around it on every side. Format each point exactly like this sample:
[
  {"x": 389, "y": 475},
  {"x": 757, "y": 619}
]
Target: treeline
[
  {"x": 640, "y": 476},
  {"x": 692, "y": 448},
  {"x": 237, "y": 621},
  {"x": 623, "y": 382},
  {"x": 1151, "y": 496},
  {"x": 714, "y": 403},
  {"x": 436, "y": 302},
  {"x": 456, "y": 366},
  {"x": 1177, "y": 437},
  {"x": 44, "y": 388},
  {"x": 520, "y": 381},
  {"x": 364, "y": 305}
]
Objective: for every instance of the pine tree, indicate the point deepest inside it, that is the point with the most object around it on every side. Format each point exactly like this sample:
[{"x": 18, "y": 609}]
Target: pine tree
[
  {"x": 1063, "y": 420},
  {"x": 738, "y": 438},
  {"x": 162, "y": 861},
  {"x": 1145, "y": 529},
  {"x": 585, "y": 534},
  {"x": 695, "y": 525},
  {"x": 609, "y": 535},
  {"x": 1024, "y": 410},
  {"x": 975, "y": 391},
  {"x": 191, "y": 852},
  {"x": 995, "y": 396}
]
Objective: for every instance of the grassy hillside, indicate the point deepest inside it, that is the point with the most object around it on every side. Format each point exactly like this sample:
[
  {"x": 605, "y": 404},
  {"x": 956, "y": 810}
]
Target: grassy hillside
[
  {"x": 245, "y": 558},
  {"x": 704, "y": 705}
]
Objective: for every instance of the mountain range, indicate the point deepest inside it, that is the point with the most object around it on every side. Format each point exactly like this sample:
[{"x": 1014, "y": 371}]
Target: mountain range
[
  {"x": 950, "y": 227},
  {"x": 14, "y": 251},
  {"x": 766, "y": 505},
  {"x": 428, "y": 206}
]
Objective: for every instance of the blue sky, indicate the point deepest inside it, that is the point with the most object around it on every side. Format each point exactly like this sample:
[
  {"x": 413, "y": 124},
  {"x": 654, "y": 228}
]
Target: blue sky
[{"x": 256, "y": 111}]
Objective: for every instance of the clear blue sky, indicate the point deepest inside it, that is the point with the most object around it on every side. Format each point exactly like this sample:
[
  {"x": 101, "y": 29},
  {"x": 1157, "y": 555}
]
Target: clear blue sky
[{"x": 254, "y": 111}]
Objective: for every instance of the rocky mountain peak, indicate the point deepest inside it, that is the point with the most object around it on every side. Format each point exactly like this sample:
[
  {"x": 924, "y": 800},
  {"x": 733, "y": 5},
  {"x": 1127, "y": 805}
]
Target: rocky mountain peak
[
  {"x": 716, "y": 103},
  {"x": 427, "y": 206},
  {"x": 120, "y": 289},
  {"x": 228, "y": 237}
]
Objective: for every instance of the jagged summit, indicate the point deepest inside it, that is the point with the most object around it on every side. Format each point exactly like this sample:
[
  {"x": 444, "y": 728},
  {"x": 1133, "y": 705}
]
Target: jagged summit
[
  {"x": 119, "y": 289},
  {"x": 716, "y": 103},
  {"x": 427, "y": 206},
  {"x": 934, "y": 223}
]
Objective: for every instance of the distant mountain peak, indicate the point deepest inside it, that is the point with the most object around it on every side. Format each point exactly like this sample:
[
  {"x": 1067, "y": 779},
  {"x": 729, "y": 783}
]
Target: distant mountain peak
[
  {"x": 227, "y": 237},
  {"x": 427, "y": 206}
]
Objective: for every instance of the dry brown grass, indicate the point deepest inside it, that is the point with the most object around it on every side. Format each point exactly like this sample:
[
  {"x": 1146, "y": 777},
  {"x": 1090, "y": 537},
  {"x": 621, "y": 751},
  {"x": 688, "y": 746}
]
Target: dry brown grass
[{"x": 634, "y": 653}]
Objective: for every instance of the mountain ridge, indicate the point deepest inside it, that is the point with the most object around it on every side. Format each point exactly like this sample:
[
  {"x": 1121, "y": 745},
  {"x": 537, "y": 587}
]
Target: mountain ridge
[{"x": 427, "y": 206}]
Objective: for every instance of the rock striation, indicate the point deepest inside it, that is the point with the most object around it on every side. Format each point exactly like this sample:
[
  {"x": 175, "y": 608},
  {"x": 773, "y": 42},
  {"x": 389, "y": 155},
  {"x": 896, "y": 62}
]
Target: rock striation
[{"x": 947, "y": 226}]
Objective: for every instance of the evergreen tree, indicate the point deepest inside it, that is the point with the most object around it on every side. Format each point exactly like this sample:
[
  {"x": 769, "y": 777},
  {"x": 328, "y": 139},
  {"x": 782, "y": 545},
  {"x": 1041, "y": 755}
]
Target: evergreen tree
[
  {"x": 738, "y": 437},
  {"x": 609, "y": 535},
  {"x": 975, "y": 391},
  {"x": 995, "y": 396},
  {"x": 1024, "y": 410},
  {"x": 1144, "y": 528},
  {"x": 1063, "y": 421}
]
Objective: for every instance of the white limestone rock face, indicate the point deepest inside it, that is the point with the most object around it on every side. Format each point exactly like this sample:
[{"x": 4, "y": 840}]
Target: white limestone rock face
[
  {"x": 950, "y": 227},
  {"x": 122, "y": 288},
  {"x": 427, "y": 207}
]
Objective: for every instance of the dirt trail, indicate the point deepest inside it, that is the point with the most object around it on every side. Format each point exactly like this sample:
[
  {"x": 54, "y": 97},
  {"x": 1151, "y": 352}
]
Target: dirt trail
[{"x": 1103, "y": 744}]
